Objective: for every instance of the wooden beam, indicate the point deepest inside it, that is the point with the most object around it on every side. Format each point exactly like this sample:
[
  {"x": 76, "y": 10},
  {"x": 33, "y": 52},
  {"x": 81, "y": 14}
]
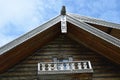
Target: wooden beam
[{"x": 103, "y": 28}]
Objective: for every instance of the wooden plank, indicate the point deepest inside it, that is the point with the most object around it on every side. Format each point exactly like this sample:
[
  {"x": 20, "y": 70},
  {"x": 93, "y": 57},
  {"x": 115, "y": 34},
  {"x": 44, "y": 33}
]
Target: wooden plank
[
  {"x": 103, "y": 68},
  {"x": 109, "y": 78},
  {"x": 115, "y": 33},
  {"x": 27, "y": 48},
  {"x": 112, "y": 31},
  {"x": 104, "y": 48},
  {"x": 103, "y": 28}
]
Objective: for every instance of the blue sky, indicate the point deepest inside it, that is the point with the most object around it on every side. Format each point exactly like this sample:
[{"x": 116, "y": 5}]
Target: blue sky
[{"x": 20, "y": 16}]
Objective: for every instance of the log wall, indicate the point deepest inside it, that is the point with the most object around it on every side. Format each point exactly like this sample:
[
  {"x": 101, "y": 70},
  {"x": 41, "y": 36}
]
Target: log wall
[{"x": 27, "y": 69}]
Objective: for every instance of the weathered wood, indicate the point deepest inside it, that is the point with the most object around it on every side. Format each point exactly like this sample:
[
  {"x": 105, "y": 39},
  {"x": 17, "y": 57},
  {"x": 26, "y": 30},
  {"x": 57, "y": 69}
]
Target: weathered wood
[
  {"x": 27, "y": 48},
  {"x": 104, "y": 48},
  {"x": 115, "y": 33},
  {"x": 27, "y": 69},
  {"x": 112, "y": 31},
  {"x": 103, "y": 28}
]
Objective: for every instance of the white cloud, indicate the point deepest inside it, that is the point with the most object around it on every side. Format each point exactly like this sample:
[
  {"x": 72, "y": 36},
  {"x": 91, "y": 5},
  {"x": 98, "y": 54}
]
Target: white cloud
[
  {"x": 15, "y": 9},
  {"x": 20, "y": 16},
  {"x": 18, "y": 12}
]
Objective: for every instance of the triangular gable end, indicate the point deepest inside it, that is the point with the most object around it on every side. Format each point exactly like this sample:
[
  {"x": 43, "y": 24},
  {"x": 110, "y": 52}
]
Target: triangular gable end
[{"x": 91, "y": 37}]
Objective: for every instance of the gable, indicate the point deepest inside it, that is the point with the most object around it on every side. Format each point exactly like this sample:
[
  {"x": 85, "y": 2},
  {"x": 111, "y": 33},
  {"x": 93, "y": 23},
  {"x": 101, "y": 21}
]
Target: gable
[
  {"x": 63, "y": 45},
  {"x": 90, "y": 36}
]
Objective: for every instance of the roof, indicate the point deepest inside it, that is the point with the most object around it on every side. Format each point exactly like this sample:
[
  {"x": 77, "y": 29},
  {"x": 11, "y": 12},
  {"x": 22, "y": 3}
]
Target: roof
[
  {"x": 96, "y": 39},
  {"x": 93, "y": 30},
  {"x": 95, "y": 21},
  {"x": 29, "y": 35}
]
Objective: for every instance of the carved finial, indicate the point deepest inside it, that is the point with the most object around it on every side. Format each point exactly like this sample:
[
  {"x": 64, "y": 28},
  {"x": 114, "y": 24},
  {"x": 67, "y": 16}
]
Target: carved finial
[{"x": 63, "y": 11}]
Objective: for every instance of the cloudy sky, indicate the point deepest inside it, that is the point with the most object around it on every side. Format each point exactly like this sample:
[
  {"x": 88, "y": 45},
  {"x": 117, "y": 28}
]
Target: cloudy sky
[{"x": 20, "y": 16}]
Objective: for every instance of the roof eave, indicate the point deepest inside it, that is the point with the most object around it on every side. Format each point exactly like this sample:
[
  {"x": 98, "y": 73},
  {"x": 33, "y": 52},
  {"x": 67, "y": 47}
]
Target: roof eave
[{"x": 29, "y": 35}]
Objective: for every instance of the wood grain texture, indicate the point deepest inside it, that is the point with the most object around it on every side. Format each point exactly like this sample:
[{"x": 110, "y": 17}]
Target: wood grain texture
[
  {"x": 103, "y": 28},
  {"x": 115, "y": 33},
  {"x": 95, "y": 43},
  {"x": 104, "y": 69},
  {"x": 25, "y": 49}
]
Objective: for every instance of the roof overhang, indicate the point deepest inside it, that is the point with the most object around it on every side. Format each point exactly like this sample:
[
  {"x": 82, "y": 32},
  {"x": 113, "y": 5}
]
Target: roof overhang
[
  {"x": 25, "y": 45},
  {"x": 95, "y": 21},
  {"x": 95, "y": 39}
]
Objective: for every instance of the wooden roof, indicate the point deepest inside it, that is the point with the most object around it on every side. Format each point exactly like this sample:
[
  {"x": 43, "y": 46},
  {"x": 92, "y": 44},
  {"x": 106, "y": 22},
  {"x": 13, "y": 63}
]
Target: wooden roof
[{"x": 86, "y": 31}]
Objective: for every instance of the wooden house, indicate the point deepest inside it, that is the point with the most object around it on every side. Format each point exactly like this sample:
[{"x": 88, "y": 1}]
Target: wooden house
[{"x": 68, "y": 47}]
